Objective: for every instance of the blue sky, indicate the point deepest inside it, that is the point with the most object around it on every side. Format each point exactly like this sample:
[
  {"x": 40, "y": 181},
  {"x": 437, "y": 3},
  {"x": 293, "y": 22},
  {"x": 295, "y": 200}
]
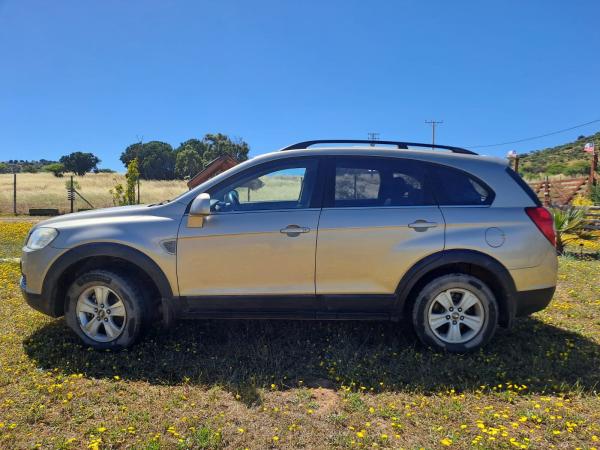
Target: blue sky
[{"x": 97, "y": 75}]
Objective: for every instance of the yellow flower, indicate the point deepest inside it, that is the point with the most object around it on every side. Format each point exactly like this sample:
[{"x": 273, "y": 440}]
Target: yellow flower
[
  {"x": 360, "y": 434},
  {"x": 275, "y": 438},
  {"x": 101, "y": 429},
  {"x": 446, "y": 442},
  {"x": 241, "y": 430}
]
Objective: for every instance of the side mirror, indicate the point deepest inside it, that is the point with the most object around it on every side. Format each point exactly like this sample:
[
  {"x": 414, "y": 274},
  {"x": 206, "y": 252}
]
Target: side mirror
[{"x": 199, "y": 209}]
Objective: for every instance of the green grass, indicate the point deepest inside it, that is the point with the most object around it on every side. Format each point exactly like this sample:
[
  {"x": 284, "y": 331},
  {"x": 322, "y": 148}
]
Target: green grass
[{"x": 285, "y": 384}]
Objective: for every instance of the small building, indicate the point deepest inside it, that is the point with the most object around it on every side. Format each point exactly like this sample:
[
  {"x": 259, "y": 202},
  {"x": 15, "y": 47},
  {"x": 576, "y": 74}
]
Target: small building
[{"x": 213, "y": 168}]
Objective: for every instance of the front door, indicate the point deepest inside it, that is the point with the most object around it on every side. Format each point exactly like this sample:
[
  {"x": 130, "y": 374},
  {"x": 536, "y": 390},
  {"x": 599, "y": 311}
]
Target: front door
[
  {"x": 379, "y": 218},
  {"x": 258, "y": 245}
]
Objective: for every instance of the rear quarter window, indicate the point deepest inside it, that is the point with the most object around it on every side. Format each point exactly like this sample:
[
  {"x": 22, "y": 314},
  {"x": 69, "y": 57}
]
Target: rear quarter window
[{"x": 455, "y": 187}]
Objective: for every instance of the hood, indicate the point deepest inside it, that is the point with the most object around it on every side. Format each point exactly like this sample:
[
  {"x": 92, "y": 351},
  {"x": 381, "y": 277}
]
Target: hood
[{"x": 98, "y": 213}]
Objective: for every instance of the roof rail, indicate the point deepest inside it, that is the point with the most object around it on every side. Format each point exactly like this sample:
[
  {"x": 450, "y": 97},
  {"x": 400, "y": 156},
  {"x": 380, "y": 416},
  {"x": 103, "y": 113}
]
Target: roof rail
[{"x": 400, "y": 145}]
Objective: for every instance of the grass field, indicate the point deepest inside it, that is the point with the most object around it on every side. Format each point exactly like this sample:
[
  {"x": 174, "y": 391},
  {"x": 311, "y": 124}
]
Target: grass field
[
  {"x": 44, "y": 190},
  {"x": 312, "y": 385}
]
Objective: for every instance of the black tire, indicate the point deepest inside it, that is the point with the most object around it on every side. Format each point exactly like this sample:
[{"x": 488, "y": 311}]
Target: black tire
[
  {"x": 127, "y": 290},
  {"x": 488, "y": 310}
]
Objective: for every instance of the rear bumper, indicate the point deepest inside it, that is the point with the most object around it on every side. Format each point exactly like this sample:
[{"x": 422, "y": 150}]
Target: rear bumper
[{"x": 529, "y": 302}]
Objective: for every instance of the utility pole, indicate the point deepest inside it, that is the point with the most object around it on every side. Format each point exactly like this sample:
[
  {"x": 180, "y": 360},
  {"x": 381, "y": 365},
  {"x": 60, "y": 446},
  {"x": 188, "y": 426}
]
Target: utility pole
[
  {"x": 373, "y": 137},
  {"x": 433, "y": 124}
]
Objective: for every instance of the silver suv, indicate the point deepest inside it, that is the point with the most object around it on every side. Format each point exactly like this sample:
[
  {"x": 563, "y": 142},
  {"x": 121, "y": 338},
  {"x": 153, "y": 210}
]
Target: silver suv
[{"x": 453, "y": 242}]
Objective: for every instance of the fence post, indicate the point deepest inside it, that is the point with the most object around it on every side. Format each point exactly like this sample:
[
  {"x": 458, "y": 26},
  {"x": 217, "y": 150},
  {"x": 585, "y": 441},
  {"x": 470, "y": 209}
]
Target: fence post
[
  {"x": 14, "y": 191},
  {"x": 547, "y": 192},
  {"x": 593, "y": 168},
  {"x": 71, "y": 194}
]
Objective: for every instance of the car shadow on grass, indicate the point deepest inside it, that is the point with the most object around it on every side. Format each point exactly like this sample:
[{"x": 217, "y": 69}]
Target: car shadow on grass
[{"x": 242, "y": 356}]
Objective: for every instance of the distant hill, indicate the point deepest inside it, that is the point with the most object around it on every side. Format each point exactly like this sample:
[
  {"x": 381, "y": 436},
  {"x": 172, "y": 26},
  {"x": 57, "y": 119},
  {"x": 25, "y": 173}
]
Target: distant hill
[
  {"x": 567, "y": 159},
  {"x": 32, "y": 166}
]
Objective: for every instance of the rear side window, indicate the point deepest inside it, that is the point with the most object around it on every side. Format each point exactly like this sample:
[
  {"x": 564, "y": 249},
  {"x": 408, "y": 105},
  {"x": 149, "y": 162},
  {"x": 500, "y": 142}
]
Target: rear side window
[
  {"x": 455, "y": 187},
  {"x": 526, "y": 188},
  {"x": 379, "y": 182}
]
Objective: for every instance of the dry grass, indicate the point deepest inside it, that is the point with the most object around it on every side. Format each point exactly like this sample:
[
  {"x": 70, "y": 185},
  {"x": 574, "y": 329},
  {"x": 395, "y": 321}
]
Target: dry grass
[
  {"x": 44, "y": 190},
  {"x": 313, "y": 385}
]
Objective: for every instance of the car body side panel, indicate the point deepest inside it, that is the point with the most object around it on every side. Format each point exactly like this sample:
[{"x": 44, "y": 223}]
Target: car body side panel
[
  {"x": 539, "y": 277},
  {"x": 139, "y": 230},
  {"x": 507, "y": 234},
  {"x": 247, "y": 254},
  {"x": 367, "y": 250}
]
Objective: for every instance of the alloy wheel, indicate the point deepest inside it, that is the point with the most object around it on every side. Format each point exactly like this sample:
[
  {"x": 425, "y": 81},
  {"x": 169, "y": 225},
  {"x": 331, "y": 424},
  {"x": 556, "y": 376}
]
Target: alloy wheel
[{"x": 101, "y": 314}]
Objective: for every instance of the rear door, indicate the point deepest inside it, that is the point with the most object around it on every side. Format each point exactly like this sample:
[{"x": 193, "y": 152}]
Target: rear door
[{"x": 379, "y": 218}]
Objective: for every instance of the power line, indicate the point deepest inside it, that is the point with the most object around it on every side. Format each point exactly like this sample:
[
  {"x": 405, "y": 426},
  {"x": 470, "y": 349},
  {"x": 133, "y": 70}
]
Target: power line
[{"x": 535, "y": 137}]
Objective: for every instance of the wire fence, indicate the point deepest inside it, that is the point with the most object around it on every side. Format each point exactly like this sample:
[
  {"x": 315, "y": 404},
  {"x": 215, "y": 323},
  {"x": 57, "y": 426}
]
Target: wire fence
[{"x": 45, "y": 194}]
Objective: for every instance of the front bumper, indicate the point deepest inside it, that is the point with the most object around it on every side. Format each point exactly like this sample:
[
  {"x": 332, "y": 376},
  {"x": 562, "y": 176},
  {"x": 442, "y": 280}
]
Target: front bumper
[
  {"x": 36, "y": 301},
  {"x": 532, "y": 301}
]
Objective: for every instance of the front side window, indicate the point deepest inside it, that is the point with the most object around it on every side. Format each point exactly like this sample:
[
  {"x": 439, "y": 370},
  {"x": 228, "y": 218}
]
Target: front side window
[
  {"x": 378, "y": 182},
  {"x": 279, "y": 186}
]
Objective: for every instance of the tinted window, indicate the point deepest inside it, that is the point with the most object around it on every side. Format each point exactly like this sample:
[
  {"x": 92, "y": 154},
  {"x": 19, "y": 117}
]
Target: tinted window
[
  {"x": 380, "y": 182},
  {"x": 526, "y": 188},
  {"x": 279, "y": 186},
  {"x": 455, "y": 187}
]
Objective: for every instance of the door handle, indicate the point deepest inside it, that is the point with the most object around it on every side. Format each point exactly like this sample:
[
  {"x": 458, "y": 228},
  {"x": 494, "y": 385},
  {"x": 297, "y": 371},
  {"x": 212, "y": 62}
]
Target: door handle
[
  {"x": 294, "y": 230},
  {"x": 422, "y": 225}
]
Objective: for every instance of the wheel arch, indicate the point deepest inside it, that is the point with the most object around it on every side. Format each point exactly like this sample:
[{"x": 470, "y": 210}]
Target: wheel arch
[
  {"x": 469, "y": 262},
  {"x": 106, "y": 256}
]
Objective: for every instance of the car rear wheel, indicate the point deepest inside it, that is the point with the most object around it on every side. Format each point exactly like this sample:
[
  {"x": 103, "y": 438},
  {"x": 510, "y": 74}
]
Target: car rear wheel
[
  {"x": 105, "y": 310},
  {"x": 457, "y": 313}
]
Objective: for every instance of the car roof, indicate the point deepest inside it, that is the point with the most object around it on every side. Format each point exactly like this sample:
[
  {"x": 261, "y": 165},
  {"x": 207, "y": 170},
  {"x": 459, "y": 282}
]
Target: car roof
[{"x": 441, "y": 156}]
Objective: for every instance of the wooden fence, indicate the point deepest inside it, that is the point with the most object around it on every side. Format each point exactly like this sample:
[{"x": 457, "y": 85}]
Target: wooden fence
[
  {"x": 560, "y": 192},
  {"x": 593, "y": 218}
]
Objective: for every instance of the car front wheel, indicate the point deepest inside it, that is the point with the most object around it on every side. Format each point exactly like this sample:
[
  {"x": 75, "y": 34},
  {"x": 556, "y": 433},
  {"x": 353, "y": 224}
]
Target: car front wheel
[
  {"x": 106, "y": 310},
  {"x": 456, "y": 313}
]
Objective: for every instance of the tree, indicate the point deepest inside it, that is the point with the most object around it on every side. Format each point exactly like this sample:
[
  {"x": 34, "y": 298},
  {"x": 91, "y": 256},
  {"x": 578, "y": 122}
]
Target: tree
[
  {"x": 193, "y": 144},
  {"x": 79, "y": 163},
  {"x": 220, "y": 144},
  {"x": 126, "y": 195},
  {"x": 555, "y": 168},
  {"x": 156, "y": 159},
  {"x": 58, "y": 169},
  {"x": 578, "y": 168},
  {"x": 188, "y": 163}
]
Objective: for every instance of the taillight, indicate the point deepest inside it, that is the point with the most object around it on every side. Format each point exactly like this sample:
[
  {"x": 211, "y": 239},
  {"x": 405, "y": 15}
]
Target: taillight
[{"x": 543, "y": 220}]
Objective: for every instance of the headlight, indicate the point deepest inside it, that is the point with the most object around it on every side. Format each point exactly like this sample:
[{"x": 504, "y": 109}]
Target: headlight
[{"x": 41, "y": 237}]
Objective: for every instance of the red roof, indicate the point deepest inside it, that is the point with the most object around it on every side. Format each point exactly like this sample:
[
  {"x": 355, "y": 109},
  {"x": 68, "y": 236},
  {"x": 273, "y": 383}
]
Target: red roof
[{"x": 213, "y": 168}]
